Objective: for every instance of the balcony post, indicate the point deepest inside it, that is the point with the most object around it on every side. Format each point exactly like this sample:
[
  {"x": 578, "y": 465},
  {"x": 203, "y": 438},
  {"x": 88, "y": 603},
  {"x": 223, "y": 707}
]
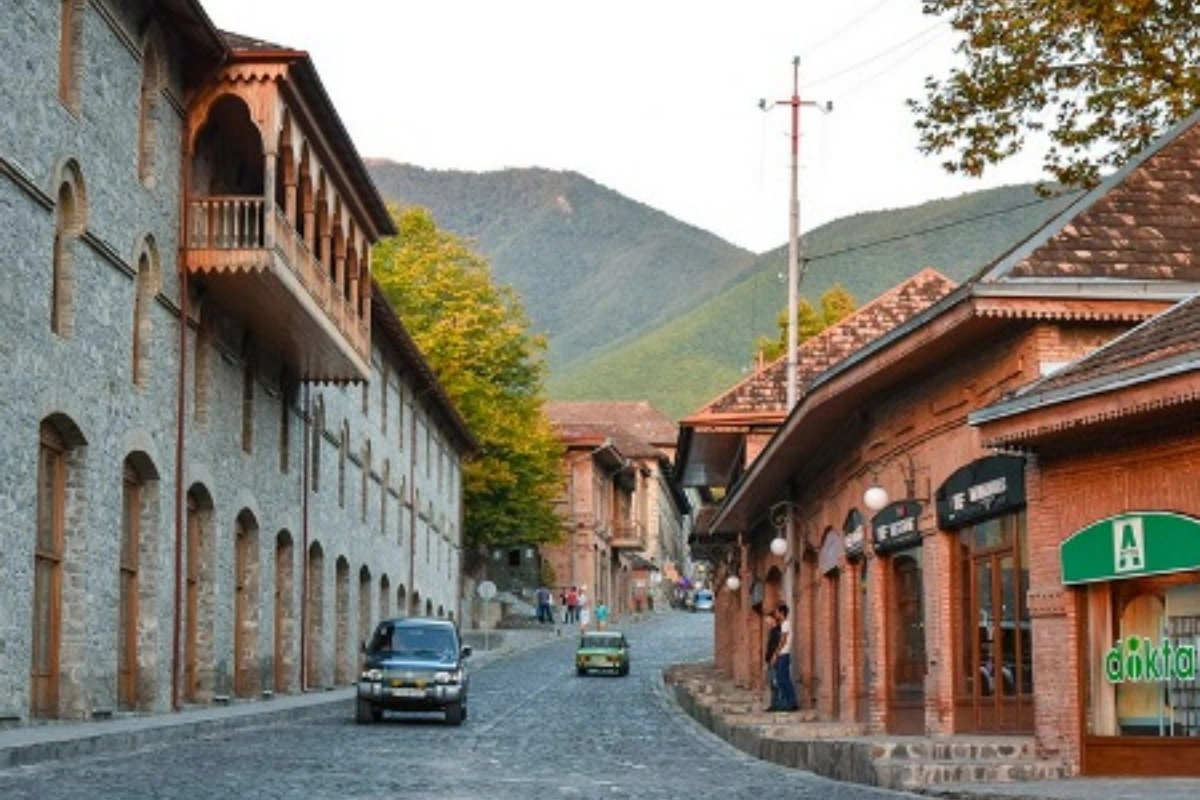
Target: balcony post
[{"x": 270, "y": 161}]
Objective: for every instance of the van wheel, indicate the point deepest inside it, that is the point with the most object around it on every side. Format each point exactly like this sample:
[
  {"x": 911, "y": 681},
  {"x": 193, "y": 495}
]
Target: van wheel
[
  {"x": 455, "y": 714},
  {"x": 365, "y": 713}
]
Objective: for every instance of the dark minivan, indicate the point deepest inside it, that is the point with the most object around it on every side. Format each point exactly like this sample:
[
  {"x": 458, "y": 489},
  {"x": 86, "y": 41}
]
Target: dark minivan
[{"x": 413, "y": 664}]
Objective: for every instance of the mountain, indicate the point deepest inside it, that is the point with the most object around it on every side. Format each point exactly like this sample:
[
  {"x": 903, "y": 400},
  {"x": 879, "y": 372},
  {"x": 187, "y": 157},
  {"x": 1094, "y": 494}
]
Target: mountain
[
  {"x": 640, "y": 306},
  {"x": 594, "y": 269}
]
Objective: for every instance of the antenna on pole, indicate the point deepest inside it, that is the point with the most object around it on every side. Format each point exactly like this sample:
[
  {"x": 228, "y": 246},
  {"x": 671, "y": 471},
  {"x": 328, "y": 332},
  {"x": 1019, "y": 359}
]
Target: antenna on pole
[{"x": 794, "y": 227}]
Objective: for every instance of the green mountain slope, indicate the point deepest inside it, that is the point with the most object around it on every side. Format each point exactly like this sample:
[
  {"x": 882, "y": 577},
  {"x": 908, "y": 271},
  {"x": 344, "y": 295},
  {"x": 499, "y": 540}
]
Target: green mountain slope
[
  {"x": 690, "y": 360},
  {"x": 594, "y": 268},
  {"x": 638, "y": 305}
]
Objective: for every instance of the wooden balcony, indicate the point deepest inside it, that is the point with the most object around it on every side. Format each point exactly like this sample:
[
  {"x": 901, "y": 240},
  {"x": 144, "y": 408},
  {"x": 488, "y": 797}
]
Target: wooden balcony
[
  {"x": 251, "y": 261},
  {"x": 627, "y": 537}
]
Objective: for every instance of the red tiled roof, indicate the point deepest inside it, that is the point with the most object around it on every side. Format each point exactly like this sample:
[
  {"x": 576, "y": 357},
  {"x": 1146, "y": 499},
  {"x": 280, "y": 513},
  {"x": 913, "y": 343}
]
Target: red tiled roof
[
  {"x": 1146, "y": 226},
  {"x": 765, "y": 392},
  {"x": 636, "y": 428},
  {"x": 1172, "y": 335}
]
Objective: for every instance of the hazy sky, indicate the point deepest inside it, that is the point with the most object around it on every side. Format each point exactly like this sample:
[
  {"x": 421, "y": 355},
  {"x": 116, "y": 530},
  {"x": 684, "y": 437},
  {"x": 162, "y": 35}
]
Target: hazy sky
[{"x": 655, "y": 99}]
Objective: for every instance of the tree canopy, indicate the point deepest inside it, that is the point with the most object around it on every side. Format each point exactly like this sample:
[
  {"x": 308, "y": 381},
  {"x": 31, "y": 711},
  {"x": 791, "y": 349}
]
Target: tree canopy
[
  {"x": 836, "y": 305},
  {"x": 476, "y": 338},
  {"x": 1101, "y": 79}
]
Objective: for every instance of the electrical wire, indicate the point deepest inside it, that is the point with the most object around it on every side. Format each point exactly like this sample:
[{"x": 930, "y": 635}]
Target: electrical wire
[
  {"x": 935, "y": 228},
  {"x": 877, "y": 56},
  {"x": 831, "y": 37}
]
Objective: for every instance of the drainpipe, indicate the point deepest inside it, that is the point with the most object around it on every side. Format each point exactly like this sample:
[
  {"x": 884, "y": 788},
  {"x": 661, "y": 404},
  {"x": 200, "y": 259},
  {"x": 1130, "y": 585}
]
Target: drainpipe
[
  {"x": 413, "y": 515},
  {"x": 306, "y": 467},
  {"x": 180, "y": 417}
]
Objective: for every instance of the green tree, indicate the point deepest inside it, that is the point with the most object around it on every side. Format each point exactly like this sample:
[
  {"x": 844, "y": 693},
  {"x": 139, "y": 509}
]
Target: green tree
[
  {"x": 836, "y": 305},
  {"x": 476, "y": 337},
  {"x": 1102, "y": 78}
]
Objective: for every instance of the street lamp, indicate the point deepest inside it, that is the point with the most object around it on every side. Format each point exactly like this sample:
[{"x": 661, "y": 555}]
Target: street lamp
[
  {"x": 781, "y": 518},
  {"x": 876, "y": 497}
]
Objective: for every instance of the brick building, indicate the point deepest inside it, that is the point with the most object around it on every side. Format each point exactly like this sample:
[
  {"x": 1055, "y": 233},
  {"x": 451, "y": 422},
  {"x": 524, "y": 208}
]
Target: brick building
[
  {"x": 224, "y": 457},
  {"x": 924, "y": 483},
  {"x": 624, "y": 518}
]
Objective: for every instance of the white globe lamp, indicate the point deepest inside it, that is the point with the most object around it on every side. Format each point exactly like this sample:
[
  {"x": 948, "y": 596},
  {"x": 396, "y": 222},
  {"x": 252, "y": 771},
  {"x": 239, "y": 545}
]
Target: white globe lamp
[
  {"x": 875, "y": 498},
  {"x": 779, "y": 546},
  {"x": 733, "y": 582}
]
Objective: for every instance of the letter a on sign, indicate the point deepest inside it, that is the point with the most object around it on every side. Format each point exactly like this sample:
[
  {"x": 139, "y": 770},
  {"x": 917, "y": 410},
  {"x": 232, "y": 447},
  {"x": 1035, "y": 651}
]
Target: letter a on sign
[{"x": 1129, "y": 545}]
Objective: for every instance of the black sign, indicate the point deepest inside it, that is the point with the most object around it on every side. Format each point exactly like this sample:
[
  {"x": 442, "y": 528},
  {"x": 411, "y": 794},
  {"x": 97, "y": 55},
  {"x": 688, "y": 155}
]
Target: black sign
[
  {"x": 854, "y": 535},
  {"x": 982, "y": 489},
  {"x": 895, "y": 528}
]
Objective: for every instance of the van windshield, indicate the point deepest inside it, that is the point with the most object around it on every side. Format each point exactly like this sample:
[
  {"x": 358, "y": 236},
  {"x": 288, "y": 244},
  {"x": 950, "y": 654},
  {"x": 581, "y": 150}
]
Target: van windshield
[{"x": 437, "y": 642}]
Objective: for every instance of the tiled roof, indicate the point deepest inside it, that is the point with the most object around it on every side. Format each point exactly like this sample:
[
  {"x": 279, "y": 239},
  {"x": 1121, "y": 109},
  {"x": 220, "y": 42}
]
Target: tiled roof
[
  {"x": 237, "y": 41},
  {"x": 1143, "y": 224},
  {"x": 765, "y": 392},
  {"x": 1173, "y": 335},
  {"x": 637, "y": 428}
]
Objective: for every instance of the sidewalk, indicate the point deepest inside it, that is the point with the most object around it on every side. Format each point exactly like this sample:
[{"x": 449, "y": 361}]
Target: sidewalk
[
  {"x": 51, "y": 741},
  {"x": 839, "y": 751}
]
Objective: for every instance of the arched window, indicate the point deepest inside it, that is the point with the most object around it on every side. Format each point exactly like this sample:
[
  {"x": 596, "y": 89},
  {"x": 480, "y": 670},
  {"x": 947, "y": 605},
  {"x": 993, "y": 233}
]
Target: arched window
[
  {"x": 69, "y": 224},
  {"x": 70, "y": 54},
  {"x": 146, "y": 288},
  {"x": 153, "y": 83}
]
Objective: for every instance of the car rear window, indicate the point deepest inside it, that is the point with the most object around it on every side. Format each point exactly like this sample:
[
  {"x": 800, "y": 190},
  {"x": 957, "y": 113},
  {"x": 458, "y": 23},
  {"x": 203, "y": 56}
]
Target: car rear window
[{"x": 600, "y": 641}]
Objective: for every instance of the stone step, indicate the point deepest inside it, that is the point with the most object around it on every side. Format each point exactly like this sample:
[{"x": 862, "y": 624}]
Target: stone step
[
  {"x": 1013, "y": 748},
  {"x": 907, "y": 774}
]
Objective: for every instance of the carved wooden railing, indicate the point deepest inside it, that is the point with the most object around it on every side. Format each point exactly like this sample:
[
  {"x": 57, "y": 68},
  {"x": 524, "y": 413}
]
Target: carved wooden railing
[{"x": 244, "y": 223}]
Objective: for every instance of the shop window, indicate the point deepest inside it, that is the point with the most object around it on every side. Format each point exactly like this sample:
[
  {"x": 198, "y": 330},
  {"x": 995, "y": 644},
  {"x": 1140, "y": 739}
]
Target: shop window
[{"x": 1143, "y": 637}]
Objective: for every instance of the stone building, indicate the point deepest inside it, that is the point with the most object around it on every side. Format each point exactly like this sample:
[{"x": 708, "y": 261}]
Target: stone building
[
  {"x": 224, "y": 457},
  {"x": 967, "y": 503},
  {"x": 624, "y": 517}
]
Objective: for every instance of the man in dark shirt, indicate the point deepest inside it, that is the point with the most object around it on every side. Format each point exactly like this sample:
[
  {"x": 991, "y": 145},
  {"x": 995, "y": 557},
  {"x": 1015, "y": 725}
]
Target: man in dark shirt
[{"x": 769, "y": 658}]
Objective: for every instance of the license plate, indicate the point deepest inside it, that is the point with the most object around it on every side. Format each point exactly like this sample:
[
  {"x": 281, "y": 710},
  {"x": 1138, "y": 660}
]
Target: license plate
[{"x": 408, "y": 692}]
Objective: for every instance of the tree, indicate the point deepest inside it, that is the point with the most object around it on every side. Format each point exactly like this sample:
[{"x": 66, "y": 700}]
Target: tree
[
  {"x": 836, "y": 305},
  {"x": 476, "y": 338},
  {"x": 1102, "y": 78}
]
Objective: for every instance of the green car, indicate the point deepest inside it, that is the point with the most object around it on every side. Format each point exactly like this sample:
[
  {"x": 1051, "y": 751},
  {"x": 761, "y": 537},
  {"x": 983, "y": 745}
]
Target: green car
[{"x": 602, "y": 650}]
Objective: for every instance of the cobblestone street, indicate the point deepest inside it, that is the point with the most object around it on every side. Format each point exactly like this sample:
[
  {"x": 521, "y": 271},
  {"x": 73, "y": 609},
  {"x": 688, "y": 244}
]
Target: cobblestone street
[{"x": 536, "y": 730}]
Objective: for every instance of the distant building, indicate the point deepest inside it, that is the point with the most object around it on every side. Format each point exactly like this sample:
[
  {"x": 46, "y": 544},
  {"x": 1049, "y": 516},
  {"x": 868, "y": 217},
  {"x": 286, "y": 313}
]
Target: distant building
[
  {"x": 224, "y": 458},
  {"x": 625, "y": 522}
]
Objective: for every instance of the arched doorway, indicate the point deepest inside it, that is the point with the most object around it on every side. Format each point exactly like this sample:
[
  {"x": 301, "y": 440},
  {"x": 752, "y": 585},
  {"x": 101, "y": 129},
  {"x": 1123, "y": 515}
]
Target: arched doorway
[
  {"x": 341, "y": 622},
  {"x": 246, "y": 606},
  {"x": 136, "y": 583},
  {"x": 283, "y": 649},
  {"x": 314, "y": 617},
  {"x": 198, "y": 597}
]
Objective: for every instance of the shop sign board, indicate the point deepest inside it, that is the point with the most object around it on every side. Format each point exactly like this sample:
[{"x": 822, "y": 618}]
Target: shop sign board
[
  {"x": 1137, "y": 659},
  {"x": 983, "y": 489},
  {"x": 854, "y": 535},
  {"x": 1130, "y": 546},
  {"x": 896, "y": 527}
]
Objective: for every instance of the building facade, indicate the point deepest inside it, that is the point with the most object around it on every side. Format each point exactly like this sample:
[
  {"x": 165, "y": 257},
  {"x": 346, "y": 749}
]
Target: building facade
[
  {"x": 624, "y": 518},
  {"x": 224, "y": 457},
  {"x": 941, "y": 535}
]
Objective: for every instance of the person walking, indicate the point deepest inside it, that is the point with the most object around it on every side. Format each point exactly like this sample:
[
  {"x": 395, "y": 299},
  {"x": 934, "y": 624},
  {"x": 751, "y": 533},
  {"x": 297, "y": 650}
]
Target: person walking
[
  {"x": 783, "y": 662},
  {"x": 572, "y": 601},
  {"x": 582, "y": 610},
  {"x": 543, "y": 605},
  {"x": 773, "y": 633},
  {"x": 601, "y": 615}
]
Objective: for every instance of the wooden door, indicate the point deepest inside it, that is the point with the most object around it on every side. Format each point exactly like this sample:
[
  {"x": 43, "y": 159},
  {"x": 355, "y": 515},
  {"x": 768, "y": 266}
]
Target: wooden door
[{"x": 47, "y": 577}]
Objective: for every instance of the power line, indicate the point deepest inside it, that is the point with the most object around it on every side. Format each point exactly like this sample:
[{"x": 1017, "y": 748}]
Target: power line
[
  {"x": 845, "y": 27},
  {"x": 936, "y": 228},
  {"x": 878, "y": 55}
]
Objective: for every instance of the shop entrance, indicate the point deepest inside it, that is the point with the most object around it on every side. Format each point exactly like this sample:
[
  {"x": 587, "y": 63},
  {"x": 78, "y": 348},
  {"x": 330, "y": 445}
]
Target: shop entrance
[
  {"x": 995, "y": 662},
  {"x": 906, "y": 712}
]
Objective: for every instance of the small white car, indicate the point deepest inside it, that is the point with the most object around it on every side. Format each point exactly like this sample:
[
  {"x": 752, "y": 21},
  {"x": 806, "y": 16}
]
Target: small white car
[{"x": 703, "y": 600}]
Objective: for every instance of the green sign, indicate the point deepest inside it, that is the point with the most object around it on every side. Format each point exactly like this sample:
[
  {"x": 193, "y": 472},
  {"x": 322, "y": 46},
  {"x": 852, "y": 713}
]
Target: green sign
[
  {"x": 1130, "y": 546},
  {"x": 1139, "y": 660}
]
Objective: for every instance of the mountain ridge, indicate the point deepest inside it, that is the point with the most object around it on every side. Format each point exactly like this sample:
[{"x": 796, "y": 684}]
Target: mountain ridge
[{"x": 637, "y": 305}]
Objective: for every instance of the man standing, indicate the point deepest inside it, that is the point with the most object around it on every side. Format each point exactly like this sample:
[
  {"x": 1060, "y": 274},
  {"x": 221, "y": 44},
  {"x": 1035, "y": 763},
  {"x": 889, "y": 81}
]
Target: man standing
[
  {"x": 769, "y": 658},
  {"x": 543, "y": 605},
  {"x": 783, "y": 662}
]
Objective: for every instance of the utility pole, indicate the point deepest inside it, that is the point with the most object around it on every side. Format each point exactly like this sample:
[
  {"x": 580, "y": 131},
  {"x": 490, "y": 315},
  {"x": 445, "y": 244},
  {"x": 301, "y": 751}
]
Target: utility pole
[
  {"x": 794, "y": 227},
  {"x": 789, "y": 532}
]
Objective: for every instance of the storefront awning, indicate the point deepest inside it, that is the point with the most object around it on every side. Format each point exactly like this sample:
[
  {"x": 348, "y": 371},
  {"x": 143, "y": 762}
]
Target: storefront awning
[{"x": 1130, "y": 546}]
